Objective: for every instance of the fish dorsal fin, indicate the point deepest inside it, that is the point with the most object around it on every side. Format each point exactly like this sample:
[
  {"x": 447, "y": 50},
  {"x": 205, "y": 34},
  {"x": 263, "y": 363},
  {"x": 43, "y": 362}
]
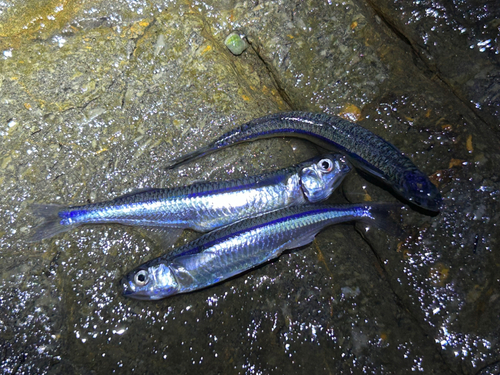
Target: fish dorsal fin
[{"x": 138, "y": 191}]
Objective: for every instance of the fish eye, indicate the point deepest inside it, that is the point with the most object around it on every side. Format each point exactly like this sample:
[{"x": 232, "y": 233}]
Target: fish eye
[
  {"x": 141, "y": 278},
  {"x": 325, "y": 165}
]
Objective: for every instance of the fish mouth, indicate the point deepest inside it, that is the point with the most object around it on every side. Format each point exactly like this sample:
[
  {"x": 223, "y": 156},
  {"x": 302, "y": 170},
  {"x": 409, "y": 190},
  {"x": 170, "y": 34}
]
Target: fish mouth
[
  {"x": 435, "y": 204},
  {"x": 129, "y": 290},
  {"x": 427, "y": 204}
]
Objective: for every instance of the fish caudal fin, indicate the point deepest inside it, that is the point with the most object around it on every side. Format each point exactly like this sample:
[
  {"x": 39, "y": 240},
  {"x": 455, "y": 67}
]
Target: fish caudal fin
[
  {"x": 190, "y": 156},
  {"x": 50, "y": 224},
  {"x": 385, "y": 216}
]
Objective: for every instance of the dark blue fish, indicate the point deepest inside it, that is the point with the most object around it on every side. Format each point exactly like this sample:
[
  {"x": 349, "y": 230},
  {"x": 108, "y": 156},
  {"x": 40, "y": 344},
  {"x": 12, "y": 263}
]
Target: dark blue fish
[{"x": 366, "y": 150}]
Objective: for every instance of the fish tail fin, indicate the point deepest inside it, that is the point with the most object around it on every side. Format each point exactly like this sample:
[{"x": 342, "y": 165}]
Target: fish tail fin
[
  {"x": 177, "y": 162},
  {"x": 50, "y": 224},
  {"x": 385, "y": 216}
]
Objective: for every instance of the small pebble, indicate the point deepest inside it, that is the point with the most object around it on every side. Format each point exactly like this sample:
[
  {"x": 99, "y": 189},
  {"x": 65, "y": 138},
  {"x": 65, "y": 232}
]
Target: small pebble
[{"x": 236, "y": 43}]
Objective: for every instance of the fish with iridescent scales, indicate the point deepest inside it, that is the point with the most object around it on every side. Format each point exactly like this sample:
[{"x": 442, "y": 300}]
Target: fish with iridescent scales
[
  {"x": 366, "y": 151},
  {"x": 231, "y": 250},
  {"x": 202, "y": 206}
]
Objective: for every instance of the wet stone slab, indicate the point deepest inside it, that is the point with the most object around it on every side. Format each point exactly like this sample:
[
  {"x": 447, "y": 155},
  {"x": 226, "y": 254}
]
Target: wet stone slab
[
  {"x": 96, "y": 97},
  {"x": 458, "y": 42}
]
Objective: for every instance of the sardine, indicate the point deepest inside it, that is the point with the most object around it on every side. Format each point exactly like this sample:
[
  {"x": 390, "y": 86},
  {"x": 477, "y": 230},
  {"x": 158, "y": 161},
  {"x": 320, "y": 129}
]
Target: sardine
[
  {"x": 202, "y": 206},
  {"x": 366, "y": 150},
  {"x": 228, "y": 251}
]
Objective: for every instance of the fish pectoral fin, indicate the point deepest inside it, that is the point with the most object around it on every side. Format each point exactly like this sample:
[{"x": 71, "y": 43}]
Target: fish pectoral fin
[
  {"x": 365, "y": 167},
  {"x": 163, "y": 237}
]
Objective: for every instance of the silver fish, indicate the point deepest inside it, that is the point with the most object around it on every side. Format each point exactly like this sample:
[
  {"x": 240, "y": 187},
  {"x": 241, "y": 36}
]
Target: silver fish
[
  {"x": 238, "y": 247},
  {"x": 366, "y": 150},
  {"x": 202, "y": 206}
]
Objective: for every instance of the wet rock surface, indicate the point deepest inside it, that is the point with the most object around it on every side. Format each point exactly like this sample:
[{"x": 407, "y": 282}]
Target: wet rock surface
[
  {"x": 95, "y": 97},
  {"x": 457, "y": 42}
]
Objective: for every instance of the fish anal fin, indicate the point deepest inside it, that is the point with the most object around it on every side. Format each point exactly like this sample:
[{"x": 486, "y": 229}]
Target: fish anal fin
[
  {"x": 303, "y": 240},
  {"x": 164, "y": 237}
]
